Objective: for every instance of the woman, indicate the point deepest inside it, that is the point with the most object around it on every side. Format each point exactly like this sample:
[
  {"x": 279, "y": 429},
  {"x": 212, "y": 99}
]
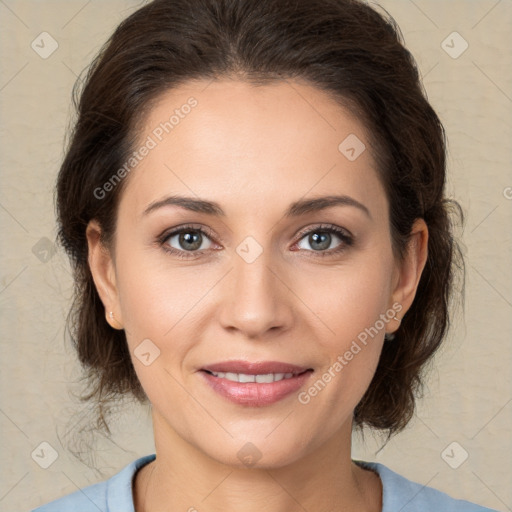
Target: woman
[{"x": 253, "y": 202}]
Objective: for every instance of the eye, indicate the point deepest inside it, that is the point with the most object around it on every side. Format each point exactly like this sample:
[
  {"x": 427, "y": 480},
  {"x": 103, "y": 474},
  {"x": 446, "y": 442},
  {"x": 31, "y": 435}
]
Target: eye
[
  {"x": 186, "y": 239},
  {"x": 321, "y": 237}
]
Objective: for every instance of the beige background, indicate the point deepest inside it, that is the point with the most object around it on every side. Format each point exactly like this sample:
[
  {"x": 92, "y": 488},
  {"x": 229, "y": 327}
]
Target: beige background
[{"x": 469, "y": 392}]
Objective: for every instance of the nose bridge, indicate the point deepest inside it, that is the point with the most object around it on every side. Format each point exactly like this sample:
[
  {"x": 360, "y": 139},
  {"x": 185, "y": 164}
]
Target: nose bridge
[
  {"x": 252, "y": 262},
  {"x": 255, "y": 299}
]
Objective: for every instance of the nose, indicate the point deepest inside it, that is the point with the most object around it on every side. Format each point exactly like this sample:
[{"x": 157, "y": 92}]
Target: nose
[{"x": 255, "y": 297}]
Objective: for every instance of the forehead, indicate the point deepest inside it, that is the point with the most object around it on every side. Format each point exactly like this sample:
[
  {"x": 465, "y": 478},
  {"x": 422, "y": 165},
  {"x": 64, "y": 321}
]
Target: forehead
[{"x": 251, "y": 145}]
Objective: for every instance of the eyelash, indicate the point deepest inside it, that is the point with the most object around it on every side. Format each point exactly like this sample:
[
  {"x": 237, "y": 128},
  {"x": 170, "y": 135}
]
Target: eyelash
[{"x": 346, "y": 239}]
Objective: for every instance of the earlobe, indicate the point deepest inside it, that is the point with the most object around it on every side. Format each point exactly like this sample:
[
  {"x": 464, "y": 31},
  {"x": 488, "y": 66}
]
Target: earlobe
[
  {"x": 112, "y": 321},
  {"x": 102, "y": 270},
  {"x": 412, "y": 266}
]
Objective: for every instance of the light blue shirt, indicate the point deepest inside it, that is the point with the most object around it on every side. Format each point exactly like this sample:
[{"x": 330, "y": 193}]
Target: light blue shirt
[{"x": 115, "y": 494}]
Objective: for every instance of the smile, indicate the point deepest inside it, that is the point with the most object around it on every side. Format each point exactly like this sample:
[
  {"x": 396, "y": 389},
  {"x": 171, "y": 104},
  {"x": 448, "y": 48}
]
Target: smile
[
  {"x": 244, "y": 377},
  {"x": 255, "y": 390}
]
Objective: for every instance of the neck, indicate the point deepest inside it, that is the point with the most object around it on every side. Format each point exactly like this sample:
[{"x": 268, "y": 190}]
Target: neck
[{"x": 183, "y": 477}]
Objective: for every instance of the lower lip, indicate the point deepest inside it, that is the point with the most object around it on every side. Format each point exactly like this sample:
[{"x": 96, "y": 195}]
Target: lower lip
[{"x": 256, "y": 394}]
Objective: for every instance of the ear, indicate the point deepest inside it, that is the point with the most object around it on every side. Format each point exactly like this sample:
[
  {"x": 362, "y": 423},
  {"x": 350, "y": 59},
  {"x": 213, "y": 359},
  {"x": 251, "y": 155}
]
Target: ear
[
  {"x": 103, "y": 272},
  {"x": 410, "y": 269}
]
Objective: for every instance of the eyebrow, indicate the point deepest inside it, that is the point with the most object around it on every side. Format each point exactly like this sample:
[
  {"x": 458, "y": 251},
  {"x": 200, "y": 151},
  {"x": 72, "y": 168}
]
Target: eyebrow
[{"x": 296, "y": 209}]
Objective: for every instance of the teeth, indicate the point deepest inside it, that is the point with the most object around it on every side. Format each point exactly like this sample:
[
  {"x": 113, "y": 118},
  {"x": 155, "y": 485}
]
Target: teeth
[{"x": 243, "y": 377}]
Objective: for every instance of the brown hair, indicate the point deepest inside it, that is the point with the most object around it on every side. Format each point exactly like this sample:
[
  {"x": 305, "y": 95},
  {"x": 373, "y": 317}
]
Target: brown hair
[{"x": 343, "y": 47}]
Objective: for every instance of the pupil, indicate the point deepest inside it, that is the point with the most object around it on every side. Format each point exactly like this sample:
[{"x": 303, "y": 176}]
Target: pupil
[
  {"x": 187, "y": 238},
  {"x": 321, "y": 239}
]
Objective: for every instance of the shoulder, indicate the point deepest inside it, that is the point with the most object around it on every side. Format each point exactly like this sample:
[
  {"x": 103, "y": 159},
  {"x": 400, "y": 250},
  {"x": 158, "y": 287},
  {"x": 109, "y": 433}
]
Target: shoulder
[
  {"x": 402, "y": 494},
  {"x": 112, "y": 495}
]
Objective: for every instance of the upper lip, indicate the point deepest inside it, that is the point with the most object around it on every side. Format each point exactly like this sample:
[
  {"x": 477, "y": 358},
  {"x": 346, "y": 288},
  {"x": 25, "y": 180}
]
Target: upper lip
[{"x": 256, "y": 368}]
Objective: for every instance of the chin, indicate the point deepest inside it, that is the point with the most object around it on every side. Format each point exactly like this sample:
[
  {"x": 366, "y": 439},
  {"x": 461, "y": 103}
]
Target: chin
[{"x": 257, "y": 452}]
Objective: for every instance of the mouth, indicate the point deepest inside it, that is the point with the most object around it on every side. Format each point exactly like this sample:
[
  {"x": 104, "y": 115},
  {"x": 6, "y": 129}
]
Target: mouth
[
  {"x": 255, "y": 384},
  {"x": 255, "y": 368},
  {"x": 260, "y": 378}
]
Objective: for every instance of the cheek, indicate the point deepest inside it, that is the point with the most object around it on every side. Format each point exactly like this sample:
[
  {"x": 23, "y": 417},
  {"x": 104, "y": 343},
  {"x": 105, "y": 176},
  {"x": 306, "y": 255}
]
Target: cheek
[
  {"x": 349, "y": 299},
  {"x": 155, "y": 293},
  {"x": 348, "y": 303},
  {"x": 156, "y": 300}
]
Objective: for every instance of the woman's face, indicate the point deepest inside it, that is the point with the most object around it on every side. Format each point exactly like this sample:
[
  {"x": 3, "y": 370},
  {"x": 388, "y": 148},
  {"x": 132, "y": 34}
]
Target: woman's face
[{"x": 257, "y": 277}]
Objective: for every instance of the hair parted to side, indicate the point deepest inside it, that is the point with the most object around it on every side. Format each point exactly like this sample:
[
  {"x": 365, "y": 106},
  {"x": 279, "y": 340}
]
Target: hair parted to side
[{"x": 343, "y": 47}]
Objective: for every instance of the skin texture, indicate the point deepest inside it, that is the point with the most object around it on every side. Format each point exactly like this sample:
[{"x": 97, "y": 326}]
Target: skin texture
[{"x": 254, "y": 150}]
